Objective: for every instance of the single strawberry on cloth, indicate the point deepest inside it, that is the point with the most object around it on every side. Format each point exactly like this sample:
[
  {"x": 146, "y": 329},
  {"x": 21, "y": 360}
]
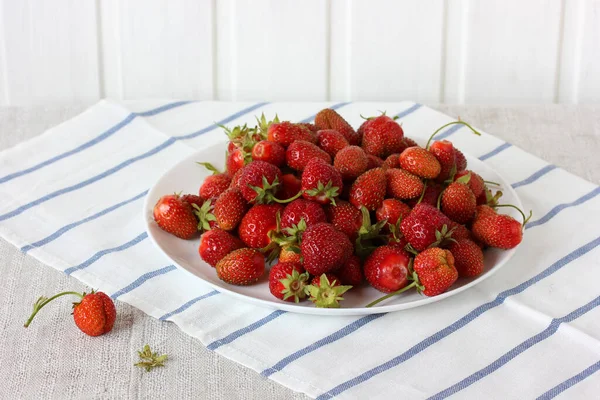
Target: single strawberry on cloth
[{"x": 73, "y": 197}]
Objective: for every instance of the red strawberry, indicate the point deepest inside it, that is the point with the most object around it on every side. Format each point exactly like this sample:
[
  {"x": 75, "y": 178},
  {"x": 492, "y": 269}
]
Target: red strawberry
[
  {"x": 432, "y": 193},
  {"x": 324, "y": 248},
  {"x": 299, "y": 209},
  {"x": 330, "y": 119},
  {"x": 192, "y": 199},
  {"x": 290, "y": 186},
  {"x": 270, "y": 152},
  {"x": 424, "y": 226},
  {"x": 461, "y": 161},
  {"x": 289, "y": 254},
  {"x": 94, "y": 315},
  {"x": 236, "y": 159},
  {"x": 496, "y": 230},
  {"x": 369, "y": 189},
  {"x": 350, "y": 273},
  {"x": 475, "y": 182},
  {"x": 331, "y": 141},
  {"x": 332, "y": 278},
  {"x": 402, "y": 184},
  {"x": 345, "y": 218},
  {"x": 311, "y": 127},
  {"x": 216, "y": 244},
  {"x": 241, "y": 267},
  {"x": 287, "y": 281},
  {"x": 458, "y": 203},
  {"x": 229, "y": 209},
  {"x": 408, "y": 142},
  {"x": 235, "y": 179},
  {"x": 443, "y": 150},
  {"x": 420, "y": 162},
  {"x": 392, "y": 161},
  {"x": 285, "y": 133},
  {"x": 321, "y": 182},
  {"x": 351, "y": 161},
  {"x": 382, "y": 136},
  {"x": 259, "y": 182},
  {"x": 257, "y": 223},
  {"x": 326, "y": 292},
  {"x": 392, "y": 210},
  {"x": 374, "y": 162},
  {"x": 436, "y": 271},
  {"x": 373, "y": 141},
  {"x": 175, "y": 216},
  {"x": 214, "y": 185},
  {"x": 386, "y": 269},
  {"x": 299, "y": 153},
  {"x": 468, "y": 258},
  {"x": 459, "y": 231}
]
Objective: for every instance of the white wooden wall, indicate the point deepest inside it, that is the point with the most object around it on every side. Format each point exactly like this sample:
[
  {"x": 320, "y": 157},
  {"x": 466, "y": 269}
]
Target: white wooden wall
[{"x": 452, "y": 51}]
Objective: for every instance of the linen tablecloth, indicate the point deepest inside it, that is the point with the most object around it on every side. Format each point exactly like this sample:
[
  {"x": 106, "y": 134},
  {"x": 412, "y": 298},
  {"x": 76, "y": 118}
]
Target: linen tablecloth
[{"x": 475, "y": 336}]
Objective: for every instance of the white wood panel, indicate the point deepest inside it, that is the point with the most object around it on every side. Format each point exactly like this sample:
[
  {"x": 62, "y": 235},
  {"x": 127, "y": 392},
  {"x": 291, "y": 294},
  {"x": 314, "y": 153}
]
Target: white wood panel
[
  {"x": 512, "y": 51},
  {"x": 393, "y": 48},
  {"x": 158, "y": 48},
  {"x": 4, "y": 100},
  {"x": 274, "y": 49},
  {"x": 50, "y": 51},
  {"x": 571, "y": 42},
  {"x": 589, "y": 81}
]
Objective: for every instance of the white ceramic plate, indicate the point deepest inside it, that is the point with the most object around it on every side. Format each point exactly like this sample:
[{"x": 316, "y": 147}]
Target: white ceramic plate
[{"x": 187, "y": 176}]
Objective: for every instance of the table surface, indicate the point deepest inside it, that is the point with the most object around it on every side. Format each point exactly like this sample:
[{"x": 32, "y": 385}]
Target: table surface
[{"x": 52, "y": 359}]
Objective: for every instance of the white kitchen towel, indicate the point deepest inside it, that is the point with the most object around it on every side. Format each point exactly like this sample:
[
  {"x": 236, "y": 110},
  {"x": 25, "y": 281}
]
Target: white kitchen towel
[{"x": 72, "y": 198}]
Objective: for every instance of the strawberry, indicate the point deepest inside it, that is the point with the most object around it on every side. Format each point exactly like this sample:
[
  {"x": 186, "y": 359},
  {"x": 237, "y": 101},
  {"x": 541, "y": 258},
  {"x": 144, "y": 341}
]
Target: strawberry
[
  {"x": 369, "y": 189},
  {"x": 262, "y": 127},
  {"x": 206, "y": 217},
  {"x": 382, "y": 136},
  {"x": 458, "y": 203},
  {"x": 345, "y": 217},
  {"x": 324, "y": 248},
  {"x": 300, "y": 152},
  {"x": 392, "y": 210},
  {"x": 259, "y": 182},
  {"x": 350, "y": 273},
  {"x": 229, "y": 209},
  {"x": 192, "y": 199},
  {"x": 311, "y": 127},
  {"x": 290, "y": 186},
  {"x": 290, "y": 253},
  {"x": 94, "y": 315},
  {"x": 374, "y": 162},
  {"x": 431, "y": 195},
  {"x": 235, "y": 179},
  {"x": 425, "y": 226},
  {"x": 351, "y": 161},
  {"x": 408, "y": 142},
  {"x": 270, "y": 152},
  {"x": 214, "y": 185},
  {"x": 331, "y": 141},
  {"x": 475, "y": 182},
  {"x": 321, "y": 182},
  {"x": 468, "y": 258},
  {"x": 216, "y": 244},
  {"x": 330, "y": 119},
  {"x": 257, "y": 223},
  {"x": 435, "y": 270},
  {"x": 420, "y": 162},
  {"x": 285, "y": 133},
  {"x": 236, "y": 160},
  {"x": 461, "y": 161},
  {"x": 443, "y": 150},
  {"x": 287, "y": 281},
  {"x": 175, "y": 216},
  {"x": 392, "y": 161},
  {"x": 326, "y": 292},
  {"x": 460, "y": 231},
  {"x": 241, "y": 267},
  {"x": 497, "y": 230},
  {"x": 402, "y": 184},
  {"x": 387, "y": 268},
  {"x": 299, "y": 209}
]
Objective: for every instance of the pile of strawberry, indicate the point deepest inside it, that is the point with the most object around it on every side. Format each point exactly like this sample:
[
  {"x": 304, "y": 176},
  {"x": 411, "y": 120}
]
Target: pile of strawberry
[{"x": 307, "y": 194}]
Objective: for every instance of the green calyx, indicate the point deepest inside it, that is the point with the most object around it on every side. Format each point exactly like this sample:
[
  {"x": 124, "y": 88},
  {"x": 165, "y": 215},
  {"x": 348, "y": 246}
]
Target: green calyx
[
  {"x": 262, "y": 127},
  {"x": 369, "y": 235},
  {"x": 328, "y": 191},
  {"x": 294, "y": 285},
  {"x": 266, "y": 193},
  {"x": 150, "y": 360},
  {"x": 325, "y": 295},
  {"x": 492, "y": 200},
  {"x": 448, "y": 124},
  {"x": 464, "y": 179},
  {"x": 396, "y": 233},
  {"x": 209, "y": 167},
  {"x": 205, "y": 215},
  {"x": 442, "y": 236}
]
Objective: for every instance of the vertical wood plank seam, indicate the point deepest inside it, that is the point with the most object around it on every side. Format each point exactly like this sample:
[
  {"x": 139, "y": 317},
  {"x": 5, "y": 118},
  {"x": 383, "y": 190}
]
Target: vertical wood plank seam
[
  {"x": 464, "y": 39},
  {"x": 328, "y": 50},
  {"x": 214, "y": 50},
  {"x": 349, "y": 6},
  {"x": 578, "y": 52},
  {"x": 559, "y": 51},
  {"x": 119, "y": 45},
  {"x": 443, "y": 49},
  {"x": 4, "y": 55},
  {"x": 232, "y": 50},
  {"x": 100, "y": 50}
]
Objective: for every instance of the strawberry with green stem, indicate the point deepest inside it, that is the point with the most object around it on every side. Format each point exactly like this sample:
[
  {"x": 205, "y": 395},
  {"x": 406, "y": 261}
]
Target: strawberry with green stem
[
  {"x": 326, "y": 292},
  {"x": 175, "y": 216},
  {"x": 288, "y": 281},
  {"x": 321, "y": 182}
]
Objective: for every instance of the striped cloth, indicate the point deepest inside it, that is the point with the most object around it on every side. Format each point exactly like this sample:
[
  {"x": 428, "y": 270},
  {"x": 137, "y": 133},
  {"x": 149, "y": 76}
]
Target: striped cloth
[{"x": 73, "y": 198}]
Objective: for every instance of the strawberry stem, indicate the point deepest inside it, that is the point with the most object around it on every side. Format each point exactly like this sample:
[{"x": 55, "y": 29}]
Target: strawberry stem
[
  {"x": 288, "y": 200},
  {"x": 42, "y": 301},
  {"x": 448, "y": 124},
  {"x": 422, "y": 193},
  {"x": 525, "y": 218},
  {"x": 209, "y": 167},
  {"x": 491, "y": 183},
  {"x": 387, "y": 296}
]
